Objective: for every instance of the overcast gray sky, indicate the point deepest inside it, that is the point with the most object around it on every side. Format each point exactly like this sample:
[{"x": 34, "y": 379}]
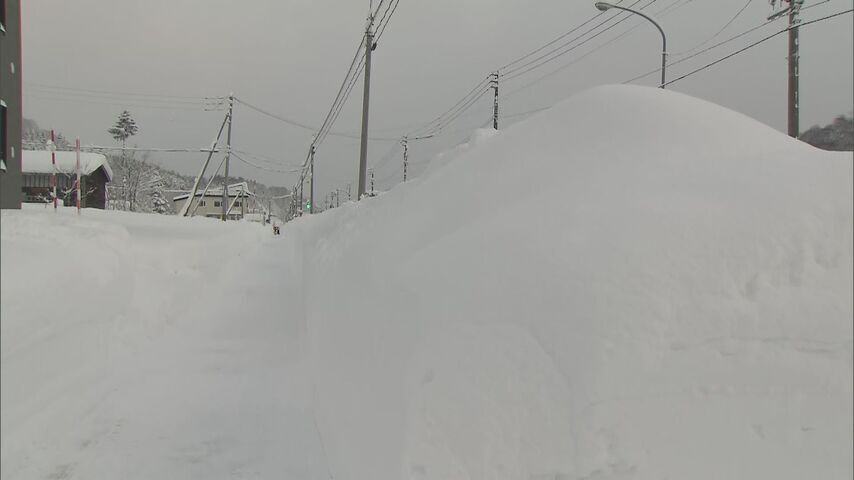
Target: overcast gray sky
[{"x": 290, "y": 57}]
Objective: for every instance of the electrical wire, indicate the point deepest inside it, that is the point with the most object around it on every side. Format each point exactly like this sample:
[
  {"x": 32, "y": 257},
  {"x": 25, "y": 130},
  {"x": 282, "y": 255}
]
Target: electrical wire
[
  {"x": 114, "y": 98},
  {"x": 707, "y": 49},
  {"x": 760, "y": 41},
  {"x": 721, "y": 30},
  {"x": 672, "y": 7},
  {"x": 259, "y": 167},
  {"x": 545, "y": 58},
  {"x": 108, "y": 92},
  {"x": 116, "y": 104},
  {"x": 562, "y": 50},
  {"x": 382, "y": 29},
  {"x": 541, "y": 48},
  {"x": 264, "y": 159},
  {"x": 428, "y": 126}
]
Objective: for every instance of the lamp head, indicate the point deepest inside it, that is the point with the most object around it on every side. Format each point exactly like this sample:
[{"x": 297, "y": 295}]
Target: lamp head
[{"x": 602, "y": 6}]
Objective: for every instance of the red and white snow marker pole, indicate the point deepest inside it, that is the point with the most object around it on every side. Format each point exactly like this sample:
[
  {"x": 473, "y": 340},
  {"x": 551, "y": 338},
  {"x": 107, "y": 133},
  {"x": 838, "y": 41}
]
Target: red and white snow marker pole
[
  {"x": 78, "y": 175},
  {"x": 52, "y": 147}
]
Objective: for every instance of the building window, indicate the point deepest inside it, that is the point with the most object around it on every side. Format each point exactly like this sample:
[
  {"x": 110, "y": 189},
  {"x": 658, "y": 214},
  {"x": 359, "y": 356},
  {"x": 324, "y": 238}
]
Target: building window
[
  {"x": 217, "y": 203},
  {"x": 237, "y": 203},
  {"x": 202, "y": 203}
]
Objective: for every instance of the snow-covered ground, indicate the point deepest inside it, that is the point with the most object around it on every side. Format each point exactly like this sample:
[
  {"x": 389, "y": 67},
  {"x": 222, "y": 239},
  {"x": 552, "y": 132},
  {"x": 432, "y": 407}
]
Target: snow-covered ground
[
  {"x": 634, "y": 284},
  {"x": 140, "y": 346}
]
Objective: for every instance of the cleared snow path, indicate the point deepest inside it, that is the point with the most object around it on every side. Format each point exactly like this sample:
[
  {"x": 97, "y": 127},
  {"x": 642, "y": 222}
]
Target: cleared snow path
[{"x": 183, "y": 364}]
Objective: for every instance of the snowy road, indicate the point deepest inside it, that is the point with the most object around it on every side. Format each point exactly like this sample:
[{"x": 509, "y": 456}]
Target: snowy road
[{"x": 218, "y": 391}]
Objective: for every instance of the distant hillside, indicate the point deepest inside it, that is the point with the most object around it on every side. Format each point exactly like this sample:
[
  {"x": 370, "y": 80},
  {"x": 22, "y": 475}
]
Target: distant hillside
[{"x": 838, "y": 136}]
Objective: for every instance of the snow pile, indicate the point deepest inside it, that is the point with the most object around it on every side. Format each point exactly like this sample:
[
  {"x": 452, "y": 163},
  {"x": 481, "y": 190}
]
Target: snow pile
[
  {"x": 633, "y": 284},
  {"x": 40, "y": 161}
]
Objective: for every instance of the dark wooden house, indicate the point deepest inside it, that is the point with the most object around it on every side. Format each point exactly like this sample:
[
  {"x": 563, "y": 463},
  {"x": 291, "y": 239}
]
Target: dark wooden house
[{"x": 37, "y": 169}]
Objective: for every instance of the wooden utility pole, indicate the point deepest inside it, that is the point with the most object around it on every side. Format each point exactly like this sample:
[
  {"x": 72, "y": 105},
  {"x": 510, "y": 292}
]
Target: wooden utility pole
[
  {"x": 366, "y": 100},
  {"x": 494, "y": 86},
  {"x": 52, "y": 148},
  {"x": 311, "y": 184},
  {"x": 405, "y": 144},
  {"x": 77, "y": 149},
  {"x": 794, "y": 56},
  {"x": 227, "y": 158}
]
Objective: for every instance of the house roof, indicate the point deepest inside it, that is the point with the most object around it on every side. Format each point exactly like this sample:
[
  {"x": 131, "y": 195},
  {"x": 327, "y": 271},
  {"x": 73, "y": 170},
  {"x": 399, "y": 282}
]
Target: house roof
[
  {"x": 233, "y": 191},
  {"x": 39, "y": 161}
]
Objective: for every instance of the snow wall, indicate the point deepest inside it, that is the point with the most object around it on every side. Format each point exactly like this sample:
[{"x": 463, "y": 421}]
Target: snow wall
[{"x": 634, "y": 284}]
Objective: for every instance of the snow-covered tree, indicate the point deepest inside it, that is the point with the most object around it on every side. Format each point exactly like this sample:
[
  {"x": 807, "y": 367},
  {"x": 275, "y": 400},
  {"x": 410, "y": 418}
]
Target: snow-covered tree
[
  {"x": 839, "y": 135},
  {"x": 159, "y": 204},
  {"x": 124, "y": 128}
]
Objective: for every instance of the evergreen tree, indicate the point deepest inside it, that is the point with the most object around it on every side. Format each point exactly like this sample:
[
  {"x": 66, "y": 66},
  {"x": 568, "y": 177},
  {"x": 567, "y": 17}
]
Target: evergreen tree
[
  {"x": 158, "y": 200},
  {"x": 125, "y": 128}
]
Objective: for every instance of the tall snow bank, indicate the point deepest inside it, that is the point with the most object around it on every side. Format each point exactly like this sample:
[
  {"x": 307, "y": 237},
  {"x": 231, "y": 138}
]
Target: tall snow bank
[{"x": 634, "y": 284}]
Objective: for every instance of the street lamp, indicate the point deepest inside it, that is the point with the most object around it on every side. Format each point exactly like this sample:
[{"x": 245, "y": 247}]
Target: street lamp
[{"x": 603, "y": 6}]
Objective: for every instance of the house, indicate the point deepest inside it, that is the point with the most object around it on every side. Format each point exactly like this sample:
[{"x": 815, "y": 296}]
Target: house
[
  {"x": 10, "y": 104},
  {"x": 37, "y": 168},
  {"x": 210, "y": 204}
]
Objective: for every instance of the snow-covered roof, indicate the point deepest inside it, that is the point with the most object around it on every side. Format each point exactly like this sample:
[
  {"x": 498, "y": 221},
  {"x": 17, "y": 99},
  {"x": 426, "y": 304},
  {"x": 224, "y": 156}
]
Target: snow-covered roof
[
  {"x": 39, "y": 161},
  {"x": 233, "y": 191}
]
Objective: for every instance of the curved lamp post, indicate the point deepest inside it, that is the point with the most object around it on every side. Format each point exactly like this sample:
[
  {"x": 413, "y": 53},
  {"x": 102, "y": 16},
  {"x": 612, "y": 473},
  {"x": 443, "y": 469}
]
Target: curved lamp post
[{"x": 602, "y": 6}]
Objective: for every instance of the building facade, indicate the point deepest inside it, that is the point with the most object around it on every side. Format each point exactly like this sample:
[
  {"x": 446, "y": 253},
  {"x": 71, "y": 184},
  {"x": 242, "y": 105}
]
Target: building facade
[
  {"x": 210, "y": 205},
  {"x": 11, "y": 112}
]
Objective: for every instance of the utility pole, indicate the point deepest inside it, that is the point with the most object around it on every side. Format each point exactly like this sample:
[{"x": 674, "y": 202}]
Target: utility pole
[
  {"x": 494, "y": 86},
  {"x": 311, "y": 187},
  {"x": 77, "y": 149},
  {"x": 794, "y": 56},
  {"x": 363, "y": 152},
  {"x": 52, "y": 148},
  {"x": 227, "y": 158},
  {"x": 405, "y": 144},
  {"x": 301, "y": 199},
  {"x": 794, "y": 9}
]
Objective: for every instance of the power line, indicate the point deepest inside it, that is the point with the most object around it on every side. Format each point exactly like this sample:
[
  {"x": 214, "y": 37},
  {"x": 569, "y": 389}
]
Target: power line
[
  {"x": 356, "y": 58},
  {"x": 544, "y": 58},
  {"x": 541, "y": 48},
  {"x": 108, "y": 92},
  {"x": 262, "y": 158},
  {"x": 562, "y": 50},
  {"x": 672, "y": 7},
  {"x": 259, "y": 167},
  {"x": 707, "y": 49},
  {"x": 321, "y": 137},
  {"x": 762, "y": 40},
  {"x": 200, "y": 107},
  {"x": 382, "y": 28},
  {"x": 274, "y": 116},
  {"x": 473, "y": 91},
  {"x": 114, "y": 98},
  {"x": 721, "y": 30}
]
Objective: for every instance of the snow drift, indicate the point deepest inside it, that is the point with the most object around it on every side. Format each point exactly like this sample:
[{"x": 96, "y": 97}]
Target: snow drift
[{"x": 633, "y": 284}]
